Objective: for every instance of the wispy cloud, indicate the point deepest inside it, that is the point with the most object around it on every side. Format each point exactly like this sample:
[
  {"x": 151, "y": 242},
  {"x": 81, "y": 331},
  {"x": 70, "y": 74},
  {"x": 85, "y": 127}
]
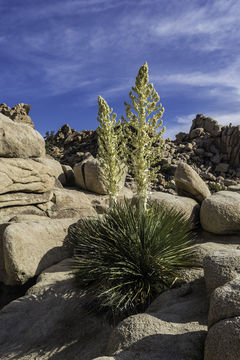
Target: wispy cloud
[
  {"x": 92, "y": 47},
  {"x": 180, "y": 124},
  {"x": 206, "y": 27}
]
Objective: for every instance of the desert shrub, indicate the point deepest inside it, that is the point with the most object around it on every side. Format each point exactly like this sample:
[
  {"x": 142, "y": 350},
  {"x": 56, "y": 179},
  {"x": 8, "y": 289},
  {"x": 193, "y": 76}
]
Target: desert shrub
[
  {"x": 170, "y": 185},
  {"x": 125, "y": 259},
  {"x": 215, "y": 187},
  {"x": 50, "y": 142},
  {"x": 167, "y": 168}
]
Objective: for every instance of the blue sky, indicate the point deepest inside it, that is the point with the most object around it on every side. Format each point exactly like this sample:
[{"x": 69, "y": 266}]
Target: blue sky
[{"x": 59, "y": 55}]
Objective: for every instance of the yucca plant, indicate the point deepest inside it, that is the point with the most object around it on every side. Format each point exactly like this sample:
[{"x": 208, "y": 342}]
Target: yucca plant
[
  {"x": 144, "y": 130},
  {"x": 111, "y": 145},
  {"x": 123, "y": 260}
]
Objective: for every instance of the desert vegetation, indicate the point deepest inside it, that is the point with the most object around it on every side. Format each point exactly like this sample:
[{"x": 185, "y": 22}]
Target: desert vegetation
[{"x": 131, "y": 254}]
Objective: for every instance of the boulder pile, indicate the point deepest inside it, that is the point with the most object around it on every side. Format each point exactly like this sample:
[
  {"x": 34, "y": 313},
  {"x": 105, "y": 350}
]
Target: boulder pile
[
  {"x": 209, "y": 148},
  {"x": 35, "y": 210}
]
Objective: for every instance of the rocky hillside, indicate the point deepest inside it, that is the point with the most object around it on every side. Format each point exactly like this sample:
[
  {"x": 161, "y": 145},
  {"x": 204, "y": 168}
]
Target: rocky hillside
[{"x": 211, "y": 149}]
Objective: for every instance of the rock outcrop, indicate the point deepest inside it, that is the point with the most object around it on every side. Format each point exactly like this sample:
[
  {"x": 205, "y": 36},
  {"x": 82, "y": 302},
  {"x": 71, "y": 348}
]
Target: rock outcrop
[
  {"x": 52, "y": 321},
  {"x": 19, "y": 140},
  {"x": 18, "y": 113},
  {"x": 225, "y": 302},
  {"x": 27, "y": 175},
  {"x": 174, "y": 326},
  {"x": 220, "y": 268},
  {"x": 62, "y": 327},
  {"x": 222, "y": 341},
  {"x": 30, "y": 184}
]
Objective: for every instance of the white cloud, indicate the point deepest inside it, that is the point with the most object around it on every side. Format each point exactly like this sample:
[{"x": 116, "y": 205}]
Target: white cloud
[
  {"x": 222, "y": 84},
  {"x": 226, "y": 119},
  {"x": 214, "y": 25},
  {"x": 181, "y": 124}
]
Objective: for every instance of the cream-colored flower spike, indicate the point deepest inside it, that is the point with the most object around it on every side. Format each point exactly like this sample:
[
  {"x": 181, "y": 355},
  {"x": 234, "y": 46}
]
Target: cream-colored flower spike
[
  {"x": 144, "y": 116},
  {"x": 110, "y": 149}
]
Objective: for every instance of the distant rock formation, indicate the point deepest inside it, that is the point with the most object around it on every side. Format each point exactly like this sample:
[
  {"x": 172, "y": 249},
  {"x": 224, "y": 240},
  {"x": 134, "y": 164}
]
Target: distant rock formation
[
  {"x": 18, "y": 113},
  {"x": 209, "y": 148},
  {"x": 70, "y": 146},
  {"x": 224, "y": 140}
]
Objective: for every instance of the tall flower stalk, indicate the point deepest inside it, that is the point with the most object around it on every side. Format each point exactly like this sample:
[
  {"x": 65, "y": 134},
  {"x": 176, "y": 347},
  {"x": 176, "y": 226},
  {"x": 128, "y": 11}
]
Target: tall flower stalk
[
  {"x": 143, "y": 131},
  {"x": 110, "y": 149}
]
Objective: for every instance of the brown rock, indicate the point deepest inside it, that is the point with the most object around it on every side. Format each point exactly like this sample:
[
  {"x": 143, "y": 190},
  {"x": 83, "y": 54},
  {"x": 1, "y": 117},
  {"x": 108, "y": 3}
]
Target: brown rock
[
  {"x": 188, "y": 183},
  {"x": 88, "y": 176},
  {"x": 208, "y": 124}
]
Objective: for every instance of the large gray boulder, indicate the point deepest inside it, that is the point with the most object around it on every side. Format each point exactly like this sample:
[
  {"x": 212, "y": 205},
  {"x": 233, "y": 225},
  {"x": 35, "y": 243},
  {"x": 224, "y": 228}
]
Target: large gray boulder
[
  {"x": 223, "y": 340},
  {"x": 225, "y": 302},
  {"x": 52, "y": 322},
  {"x": 188, "y": 183},
  {"x": 30, "y": 247},
  {"x": 19, "y": 140},
  {"x": 25, "y": 175},
  {"x": 220, "y": 268},
  {"x": 220, "y": 213},
  {"x": 88, "y": 176},
  {"x": 173, "y": 327},
  {"x": 189, "y": 207}
]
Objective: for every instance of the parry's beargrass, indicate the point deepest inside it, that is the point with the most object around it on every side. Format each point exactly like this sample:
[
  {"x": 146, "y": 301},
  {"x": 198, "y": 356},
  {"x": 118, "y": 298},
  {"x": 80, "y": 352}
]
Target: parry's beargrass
[
  {"x": 123, "y": 260},
  {"x": 126, "y": 258},
  {"x": 111, "y": 145},
  {"x": 144, "y": 130}
]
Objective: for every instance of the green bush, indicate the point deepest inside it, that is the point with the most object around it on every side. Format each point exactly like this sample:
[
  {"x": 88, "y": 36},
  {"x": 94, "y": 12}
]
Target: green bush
[
  {"x": 215, "y": 187},
  {"x": 50, "y": 142},
  {"x": 125, "y": 259}
]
